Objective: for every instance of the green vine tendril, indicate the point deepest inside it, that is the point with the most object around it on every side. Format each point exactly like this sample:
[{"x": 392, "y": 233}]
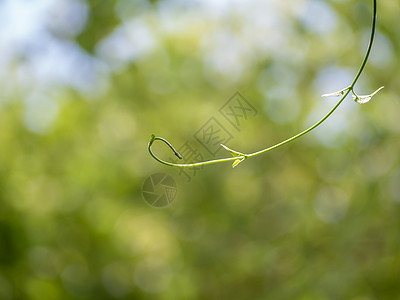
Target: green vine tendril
[{"x": 237, "y": 157}]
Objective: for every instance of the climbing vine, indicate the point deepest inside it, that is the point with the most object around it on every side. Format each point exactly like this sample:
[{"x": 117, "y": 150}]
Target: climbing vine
[{"x": 238, "y": 157}]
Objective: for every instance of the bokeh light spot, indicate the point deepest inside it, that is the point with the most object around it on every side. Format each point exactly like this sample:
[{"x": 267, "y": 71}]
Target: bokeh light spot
[{"x": 331, "y": 204}]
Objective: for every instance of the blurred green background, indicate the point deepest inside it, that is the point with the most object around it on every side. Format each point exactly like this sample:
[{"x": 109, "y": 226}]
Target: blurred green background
[{"x": 83, "y": 85}]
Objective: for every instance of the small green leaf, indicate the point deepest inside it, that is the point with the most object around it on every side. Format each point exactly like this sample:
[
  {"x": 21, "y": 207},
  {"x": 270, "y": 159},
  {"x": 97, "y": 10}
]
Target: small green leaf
[
  {"x": 365, "y": 98},
  {"x": 233, "y": 152},
  {"x": 335, "y": 94},
  {"x": 238, "y": 161},
  {"x": 241, "y": 157}
]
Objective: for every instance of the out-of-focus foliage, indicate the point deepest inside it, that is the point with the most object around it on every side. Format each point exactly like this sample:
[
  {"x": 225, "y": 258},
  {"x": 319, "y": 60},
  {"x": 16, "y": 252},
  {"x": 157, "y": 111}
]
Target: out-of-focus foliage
[{"x": 83, "y": 85}]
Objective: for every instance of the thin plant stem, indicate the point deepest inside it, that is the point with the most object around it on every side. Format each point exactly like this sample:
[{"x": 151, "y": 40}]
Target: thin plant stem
[{"x": 238, "y": 156}]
